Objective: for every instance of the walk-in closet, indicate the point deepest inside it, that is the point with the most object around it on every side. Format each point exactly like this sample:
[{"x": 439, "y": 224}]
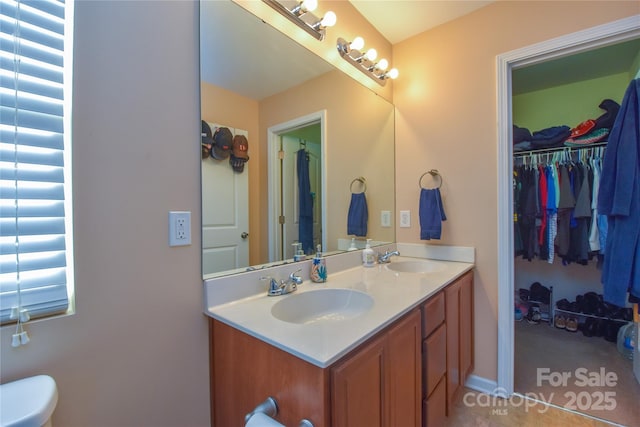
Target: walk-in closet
[{"x": 566, "y": 334}]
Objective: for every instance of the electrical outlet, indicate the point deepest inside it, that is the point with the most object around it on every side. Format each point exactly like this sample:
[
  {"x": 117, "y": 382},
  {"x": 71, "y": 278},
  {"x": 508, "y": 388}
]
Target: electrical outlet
[
  {"x": 405, "y": 219},
  {"x": 385, "y": 218},
  {"x": 179, "y": 228}
]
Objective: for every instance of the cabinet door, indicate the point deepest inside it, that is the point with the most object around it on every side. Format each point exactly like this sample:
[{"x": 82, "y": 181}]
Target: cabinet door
[
  {"x": 404, "y": 366},
  {"x": 459, "y": 321},
  {"x": 358, "y": 388},
  {"x": 435, "y": 353},
  {"x": 466, "y": 326},
  {"x": 435, "y": 406},
  {"x": 452, "y": 303}
]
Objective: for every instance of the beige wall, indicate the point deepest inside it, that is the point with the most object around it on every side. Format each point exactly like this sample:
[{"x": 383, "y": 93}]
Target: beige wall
[
  {"x": 136, "y": 352},
  {"x": 446, "y": 119},
  {"x": 359, "y": 142},
  {"x": 230, "y": 109}
]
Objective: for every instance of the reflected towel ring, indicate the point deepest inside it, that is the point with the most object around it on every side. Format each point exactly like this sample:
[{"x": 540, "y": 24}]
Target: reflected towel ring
[
  {"x": 435, "y": 174},
  {"x": 362, "y": 181}
]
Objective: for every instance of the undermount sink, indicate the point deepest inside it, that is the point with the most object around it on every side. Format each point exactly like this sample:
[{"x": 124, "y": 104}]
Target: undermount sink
[
  {"x": 416, "y": 266},
  {"x": 322, "y": 305}
]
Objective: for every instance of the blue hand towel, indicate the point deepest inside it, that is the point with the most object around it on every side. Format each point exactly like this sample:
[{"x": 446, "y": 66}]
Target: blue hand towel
[
  {"x": 431, "y": 214},
  {"x": 305, "y": 219},
  {"x": 358, "y": 215}
]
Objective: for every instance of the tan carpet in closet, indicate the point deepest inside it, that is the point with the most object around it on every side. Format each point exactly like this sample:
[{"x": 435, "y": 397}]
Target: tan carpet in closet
[{"x": 541, "y": 346}]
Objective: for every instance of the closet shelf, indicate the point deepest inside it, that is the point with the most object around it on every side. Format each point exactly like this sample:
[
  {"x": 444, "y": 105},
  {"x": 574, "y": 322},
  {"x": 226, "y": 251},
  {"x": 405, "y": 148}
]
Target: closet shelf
[
  {"x": 577, "y": 314},
  {"x": 559, "y": 149}
]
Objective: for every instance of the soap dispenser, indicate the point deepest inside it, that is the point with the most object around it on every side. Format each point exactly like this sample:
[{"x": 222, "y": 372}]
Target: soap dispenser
[
  {"x": 318, "y": 267},
  {"x": 368, "y": 255},
  {"x": 353, "y": 246},
  {"x": 298, "y": 254}
]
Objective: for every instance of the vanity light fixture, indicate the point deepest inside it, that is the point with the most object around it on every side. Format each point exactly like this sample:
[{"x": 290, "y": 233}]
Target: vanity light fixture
[
  {"x": 300, "y": 13},
  {"x": 352, "y": 52}
]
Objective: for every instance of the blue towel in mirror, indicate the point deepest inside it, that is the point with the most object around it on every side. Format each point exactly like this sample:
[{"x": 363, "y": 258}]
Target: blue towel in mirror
[
  {"x": 305, "y": 218},
  {"x": 431, "y": 214},
  {"x": 358, "y": 215}
]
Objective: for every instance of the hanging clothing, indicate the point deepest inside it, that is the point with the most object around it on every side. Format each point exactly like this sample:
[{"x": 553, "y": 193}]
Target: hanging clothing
[
  {"x": 305, "y": 218},
  {"x": 619, "y": 199},
  {"x": 553, "y": 207}
]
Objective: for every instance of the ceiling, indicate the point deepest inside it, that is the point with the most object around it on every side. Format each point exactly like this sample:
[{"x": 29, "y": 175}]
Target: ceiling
[
  {"x": 234, "y": 65},
  {"x": 398, "y": 20}
]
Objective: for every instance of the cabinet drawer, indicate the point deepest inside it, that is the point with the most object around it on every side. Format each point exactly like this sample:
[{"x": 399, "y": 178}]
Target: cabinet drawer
[
  {"x": 435, "y": 407},
  {"x": 432, "y": 314},
  {"x": 435, "y": 354}
]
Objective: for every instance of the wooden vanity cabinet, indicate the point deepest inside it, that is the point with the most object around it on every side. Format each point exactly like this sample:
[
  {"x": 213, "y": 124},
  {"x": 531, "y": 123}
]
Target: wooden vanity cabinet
[
  {"x": 434, "y": 351},
  {"x": 245, "y": 371},
  {"x": 408, "y": 374},
  {"x": 380, "y": 383},
  {"x": 459, "y": 321},
  {"x": 377, "y": 384},
  {"x": 447, "y": 348}
]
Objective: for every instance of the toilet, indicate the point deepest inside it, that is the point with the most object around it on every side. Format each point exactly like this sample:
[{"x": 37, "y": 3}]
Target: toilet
[{"x": 28, "y": 402}]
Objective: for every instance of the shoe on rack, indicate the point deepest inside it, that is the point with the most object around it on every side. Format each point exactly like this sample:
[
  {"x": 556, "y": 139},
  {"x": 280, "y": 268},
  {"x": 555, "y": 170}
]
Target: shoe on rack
[
  {"x": 560, "y": 322},
  {"x": 600, "y": 328},
  {"x": 518, "y": 314},
  {"x": 533, "y": 316},
  {"x": 571, "y": 324},
  {"x": 563, "y": 304},
  {"x": 589, "y": 327}
]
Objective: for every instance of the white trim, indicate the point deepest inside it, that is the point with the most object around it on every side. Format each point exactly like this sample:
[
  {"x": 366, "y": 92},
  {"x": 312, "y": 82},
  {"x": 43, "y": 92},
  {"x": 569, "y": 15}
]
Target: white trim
[
  {"x": 273, "y": 139},
  {"x": 482, "y": 385},
  {"x": 602, "y": 35}
]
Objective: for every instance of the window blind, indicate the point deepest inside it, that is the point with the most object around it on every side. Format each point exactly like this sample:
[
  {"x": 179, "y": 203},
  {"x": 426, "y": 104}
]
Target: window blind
[{"x": 35, "y": 249}]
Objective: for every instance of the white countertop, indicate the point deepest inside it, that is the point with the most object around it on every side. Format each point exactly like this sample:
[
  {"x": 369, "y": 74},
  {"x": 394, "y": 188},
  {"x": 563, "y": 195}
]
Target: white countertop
[{"x": 323, "y": 343}]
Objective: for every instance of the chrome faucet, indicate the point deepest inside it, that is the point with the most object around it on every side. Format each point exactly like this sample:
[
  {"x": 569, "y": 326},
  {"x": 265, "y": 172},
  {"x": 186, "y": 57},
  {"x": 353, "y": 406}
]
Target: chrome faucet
[
  {"x": 386, "y": 257},
  {"x": 285, "y": 286}
]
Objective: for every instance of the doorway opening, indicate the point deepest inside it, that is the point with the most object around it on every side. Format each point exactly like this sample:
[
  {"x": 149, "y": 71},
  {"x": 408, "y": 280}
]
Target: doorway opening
[
  {"x": 604, "y": 35},
  {"x": 303, "y": 136}
]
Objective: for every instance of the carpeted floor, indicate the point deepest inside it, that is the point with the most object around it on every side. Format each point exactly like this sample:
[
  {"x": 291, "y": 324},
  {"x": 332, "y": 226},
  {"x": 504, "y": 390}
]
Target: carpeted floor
[{"x": 572, "y": 371}]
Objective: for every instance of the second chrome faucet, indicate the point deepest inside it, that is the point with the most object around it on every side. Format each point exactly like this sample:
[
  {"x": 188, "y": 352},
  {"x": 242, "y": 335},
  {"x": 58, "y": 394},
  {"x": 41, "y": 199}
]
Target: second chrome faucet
[{"x": 284, "y": 286}]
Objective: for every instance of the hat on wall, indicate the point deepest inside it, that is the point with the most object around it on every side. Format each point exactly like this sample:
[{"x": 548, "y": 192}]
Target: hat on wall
[
  {"x": 239, "y": 153},
  {"x": 222, "y": 139},
  {"x": 207, "y": 140}
]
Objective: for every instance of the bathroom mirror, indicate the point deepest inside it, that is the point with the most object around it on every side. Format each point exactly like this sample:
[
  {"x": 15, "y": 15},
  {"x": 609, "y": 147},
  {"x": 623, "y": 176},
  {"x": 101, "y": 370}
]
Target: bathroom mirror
[{"x": 261, "y": 84}]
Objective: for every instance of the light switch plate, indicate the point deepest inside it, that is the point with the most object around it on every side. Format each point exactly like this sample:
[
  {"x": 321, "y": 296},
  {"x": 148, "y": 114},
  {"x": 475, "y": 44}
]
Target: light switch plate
[
  {"x": 405, "y": 219},
  {"x": 385, "y": 218}
]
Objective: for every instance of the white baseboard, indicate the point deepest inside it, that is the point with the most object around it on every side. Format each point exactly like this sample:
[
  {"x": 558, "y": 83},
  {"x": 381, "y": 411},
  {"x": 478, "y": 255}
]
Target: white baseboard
[{"x": 483, "y": 385}]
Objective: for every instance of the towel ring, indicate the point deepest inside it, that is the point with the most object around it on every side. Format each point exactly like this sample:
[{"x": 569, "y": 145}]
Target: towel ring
[
  {"x": 435, "y": 174},
  {"x": 362, "y": 182}
]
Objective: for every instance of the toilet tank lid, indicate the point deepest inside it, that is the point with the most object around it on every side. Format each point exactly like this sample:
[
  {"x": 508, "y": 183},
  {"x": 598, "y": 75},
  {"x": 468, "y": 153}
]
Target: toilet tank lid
[{"x": 28, "y": 402}]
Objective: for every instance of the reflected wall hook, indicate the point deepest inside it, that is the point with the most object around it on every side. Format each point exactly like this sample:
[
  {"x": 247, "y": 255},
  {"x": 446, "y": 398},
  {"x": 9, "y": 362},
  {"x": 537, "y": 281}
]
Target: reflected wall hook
[
  {"x": 435, "y": 174},
  {"x": 362, "y": 181}
]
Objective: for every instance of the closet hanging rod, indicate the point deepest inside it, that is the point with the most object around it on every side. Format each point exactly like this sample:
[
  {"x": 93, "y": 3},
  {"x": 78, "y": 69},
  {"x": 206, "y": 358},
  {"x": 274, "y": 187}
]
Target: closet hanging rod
[{"x": 559, "y": 149}]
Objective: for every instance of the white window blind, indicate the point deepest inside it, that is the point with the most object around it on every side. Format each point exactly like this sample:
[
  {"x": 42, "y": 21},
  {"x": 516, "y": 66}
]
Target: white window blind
[{"x": 36, "y": 262}]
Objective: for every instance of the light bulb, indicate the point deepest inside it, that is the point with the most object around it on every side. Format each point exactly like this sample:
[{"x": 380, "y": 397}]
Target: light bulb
[
  {"x": 309, "y": 5},
  {"x": 392, "y": 74},
  {"x": 382, "y": 64},
  {"x": 329, "y": 19},
  {"x": 371, "y": 54},
  {"x": 357, "y": 43}
]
